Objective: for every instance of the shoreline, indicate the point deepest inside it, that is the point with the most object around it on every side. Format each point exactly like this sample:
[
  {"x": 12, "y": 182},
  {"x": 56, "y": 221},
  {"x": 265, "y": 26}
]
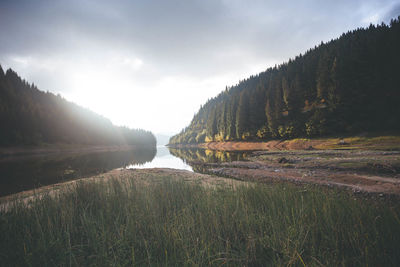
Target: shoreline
[
  {"x": 120, "y": 173},
  {"x": 282, "y": 165},
  {"x": 26, "y": 151},
  {"x": 387, "y": 142},
  {"x": 225, "y": 174}
]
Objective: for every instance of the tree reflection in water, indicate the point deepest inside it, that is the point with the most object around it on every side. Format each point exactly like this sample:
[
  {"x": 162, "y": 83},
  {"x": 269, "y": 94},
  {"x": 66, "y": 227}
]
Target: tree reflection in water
[
  {"x": 201, "y": 159},
  {"x": 31, "y": 172}
]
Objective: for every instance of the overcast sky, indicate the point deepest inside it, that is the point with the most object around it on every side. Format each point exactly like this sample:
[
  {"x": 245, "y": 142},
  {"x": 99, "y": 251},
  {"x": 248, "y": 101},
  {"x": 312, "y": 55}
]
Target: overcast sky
[{"x": 151, "y": 64}]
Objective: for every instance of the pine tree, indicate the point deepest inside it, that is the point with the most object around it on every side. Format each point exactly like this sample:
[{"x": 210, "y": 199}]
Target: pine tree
[
  {"x": 231, "y": 119},
  {"x": 212, "y": 125},
  {"x": 242, "y": 115}
]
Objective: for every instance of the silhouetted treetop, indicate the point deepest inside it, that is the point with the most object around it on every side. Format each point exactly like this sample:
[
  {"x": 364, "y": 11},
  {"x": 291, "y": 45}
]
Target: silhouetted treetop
[{"x": 30, "y": 116}]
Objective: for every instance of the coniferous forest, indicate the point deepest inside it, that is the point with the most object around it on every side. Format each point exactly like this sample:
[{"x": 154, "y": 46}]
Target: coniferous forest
[
  {"x": 29, "y": 116},
  {"x": 348, "y": 85}
]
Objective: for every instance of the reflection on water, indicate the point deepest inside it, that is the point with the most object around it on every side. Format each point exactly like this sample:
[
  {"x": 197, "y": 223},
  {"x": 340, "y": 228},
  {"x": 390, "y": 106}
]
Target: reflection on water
[
  {"x": 19, "y": 174},
  {"x": 163, "y": 159},
  {"x": 201, "y": 159},
  {"x": 193, "y": 159},
  {"x": 198, "y": 155}
]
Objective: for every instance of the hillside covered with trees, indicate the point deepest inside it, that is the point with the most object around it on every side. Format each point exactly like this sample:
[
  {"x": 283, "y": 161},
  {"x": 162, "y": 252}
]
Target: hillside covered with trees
[
  {"x": 29, "y": 116},
  {"x": 348, "y": 85}
]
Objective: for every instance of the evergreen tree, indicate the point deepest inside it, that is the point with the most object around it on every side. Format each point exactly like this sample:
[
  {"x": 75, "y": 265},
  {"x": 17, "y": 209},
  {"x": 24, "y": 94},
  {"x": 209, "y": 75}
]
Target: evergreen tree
[
  {"x": 212, "y": 125},
  {"x": 29, "y": 116},
  {"x": 231, "y": 117},
  {"x": 242, "y": 116}
]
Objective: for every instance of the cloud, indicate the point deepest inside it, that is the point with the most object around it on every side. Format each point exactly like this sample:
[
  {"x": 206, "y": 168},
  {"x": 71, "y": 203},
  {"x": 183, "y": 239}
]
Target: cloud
[{"x": 393, "y": 13}]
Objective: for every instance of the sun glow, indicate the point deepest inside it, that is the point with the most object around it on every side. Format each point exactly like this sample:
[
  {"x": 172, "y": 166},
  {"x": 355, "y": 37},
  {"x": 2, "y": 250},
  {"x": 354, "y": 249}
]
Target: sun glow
[{"x": 126, "y": 89}]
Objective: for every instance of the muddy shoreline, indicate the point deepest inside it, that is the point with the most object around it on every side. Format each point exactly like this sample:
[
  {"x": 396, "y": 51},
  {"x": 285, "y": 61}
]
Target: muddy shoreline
[
  {"x": 360, "y": 142},
  {"x": 361, "y": 171}
]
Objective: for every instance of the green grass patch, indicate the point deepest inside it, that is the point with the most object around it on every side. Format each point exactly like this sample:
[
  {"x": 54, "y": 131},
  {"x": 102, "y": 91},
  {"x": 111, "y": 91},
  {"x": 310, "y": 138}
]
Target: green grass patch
[
  {"x": 172, "y": 223},
  {"x": 352, "y": 164}
]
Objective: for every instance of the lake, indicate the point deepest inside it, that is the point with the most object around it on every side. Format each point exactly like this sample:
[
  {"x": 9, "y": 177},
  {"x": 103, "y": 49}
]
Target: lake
[
  {"x": 27, "y": 172},
  {"x": 163, "y": 159}
]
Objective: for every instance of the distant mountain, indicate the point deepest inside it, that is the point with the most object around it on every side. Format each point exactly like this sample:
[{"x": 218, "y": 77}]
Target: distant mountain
[
  {"x": 29, "y": 116},
  {"x": 162, "y": 139},
  {"x": 348, "y": 85}
]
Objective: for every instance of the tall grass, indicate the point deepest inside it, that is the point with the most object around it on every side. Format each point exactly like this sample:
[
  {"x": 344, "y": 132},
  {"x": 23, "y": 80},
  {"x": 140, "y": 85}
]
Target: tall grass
[{"x": 174, "y": 223}]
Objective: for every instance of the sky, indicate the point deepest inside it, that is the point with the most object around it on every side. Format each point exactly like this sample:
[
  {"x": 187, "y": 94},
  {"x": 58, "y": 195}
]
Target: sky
[{"x": 151, "y": 64}]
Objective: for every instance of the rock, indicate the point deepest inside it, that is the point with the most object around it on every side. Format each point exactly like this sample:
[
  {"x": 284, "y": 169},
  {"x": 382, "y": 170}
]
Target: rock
[
  {"x": 342, "y": 142},
  {"x": 283, "y": 160}
]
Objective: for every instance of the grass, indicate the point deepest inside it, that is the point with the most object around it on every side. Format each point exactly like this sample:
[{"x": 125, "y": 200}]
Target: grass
[{"x": 176, "y": 223}]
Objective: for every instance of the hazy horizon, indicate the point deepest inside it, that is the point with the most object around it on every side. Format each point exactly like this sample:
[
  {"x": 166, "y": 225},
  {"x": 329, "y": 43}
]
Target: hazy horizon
[{"x": 151, "y": 65}]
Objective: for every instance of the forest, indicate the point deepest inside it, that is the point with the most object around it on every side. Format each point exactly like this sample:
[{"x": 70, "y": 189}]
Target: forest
[
  {"x": 345, "y": 86},
  {"x": 29, "y": 116}
]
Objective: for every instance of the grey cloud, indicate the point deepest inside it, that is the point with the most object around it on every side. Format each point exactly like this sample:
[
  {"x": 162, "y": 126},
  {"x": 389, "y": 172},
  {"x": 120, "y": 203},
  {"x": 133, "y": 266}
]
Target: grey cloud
[
  {"x": 196, "y": 37},
  {"x": 393, "y": 13}
]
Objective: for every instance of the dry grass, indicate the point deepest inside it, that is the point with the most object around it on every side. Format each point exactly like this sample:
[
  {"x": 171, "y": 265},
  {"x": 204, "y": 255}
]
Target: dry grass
[{"x": 167, "y": 218}]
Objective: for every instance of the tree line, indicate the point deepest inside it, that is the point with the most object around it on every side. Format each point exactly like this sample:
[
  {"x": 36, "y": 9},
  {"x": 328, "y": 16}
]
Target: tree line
[
  {"x": 29, "y": 116},
  {"x": 348, "y": 85}
]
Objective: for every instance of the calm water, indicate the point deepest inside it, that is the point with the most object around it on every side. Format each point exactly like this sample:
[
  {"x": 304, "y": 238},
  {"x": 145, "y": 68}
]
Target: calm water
[
  {"x": 163, "y": 159},
  {"x": 24, "y": 173},
  {"x": 27, "y": 172}
]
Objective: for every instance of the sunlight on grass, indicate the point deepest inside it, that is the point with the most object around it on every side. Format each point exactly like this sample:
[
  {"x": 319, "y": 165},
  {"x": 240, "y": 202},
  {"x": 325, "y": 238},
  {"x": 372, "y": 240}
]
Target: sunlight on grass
[{"x": 176, "y": 223}]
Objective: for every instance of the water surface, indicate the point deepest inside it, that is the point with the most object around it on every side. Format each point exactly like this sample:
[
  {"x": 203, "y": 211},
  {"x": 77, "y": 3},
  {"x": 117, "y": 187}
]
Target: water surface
[
  {"x": 163, "y": 159},
  {"x": 27, "y": 172}
]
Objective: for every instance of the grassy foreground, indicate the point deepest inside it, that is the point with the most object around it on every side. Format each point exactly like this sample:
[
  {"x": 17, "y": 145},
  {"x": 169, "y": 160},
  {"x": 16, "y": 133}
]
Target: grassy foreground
[{"x": 175, "y": 223}]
